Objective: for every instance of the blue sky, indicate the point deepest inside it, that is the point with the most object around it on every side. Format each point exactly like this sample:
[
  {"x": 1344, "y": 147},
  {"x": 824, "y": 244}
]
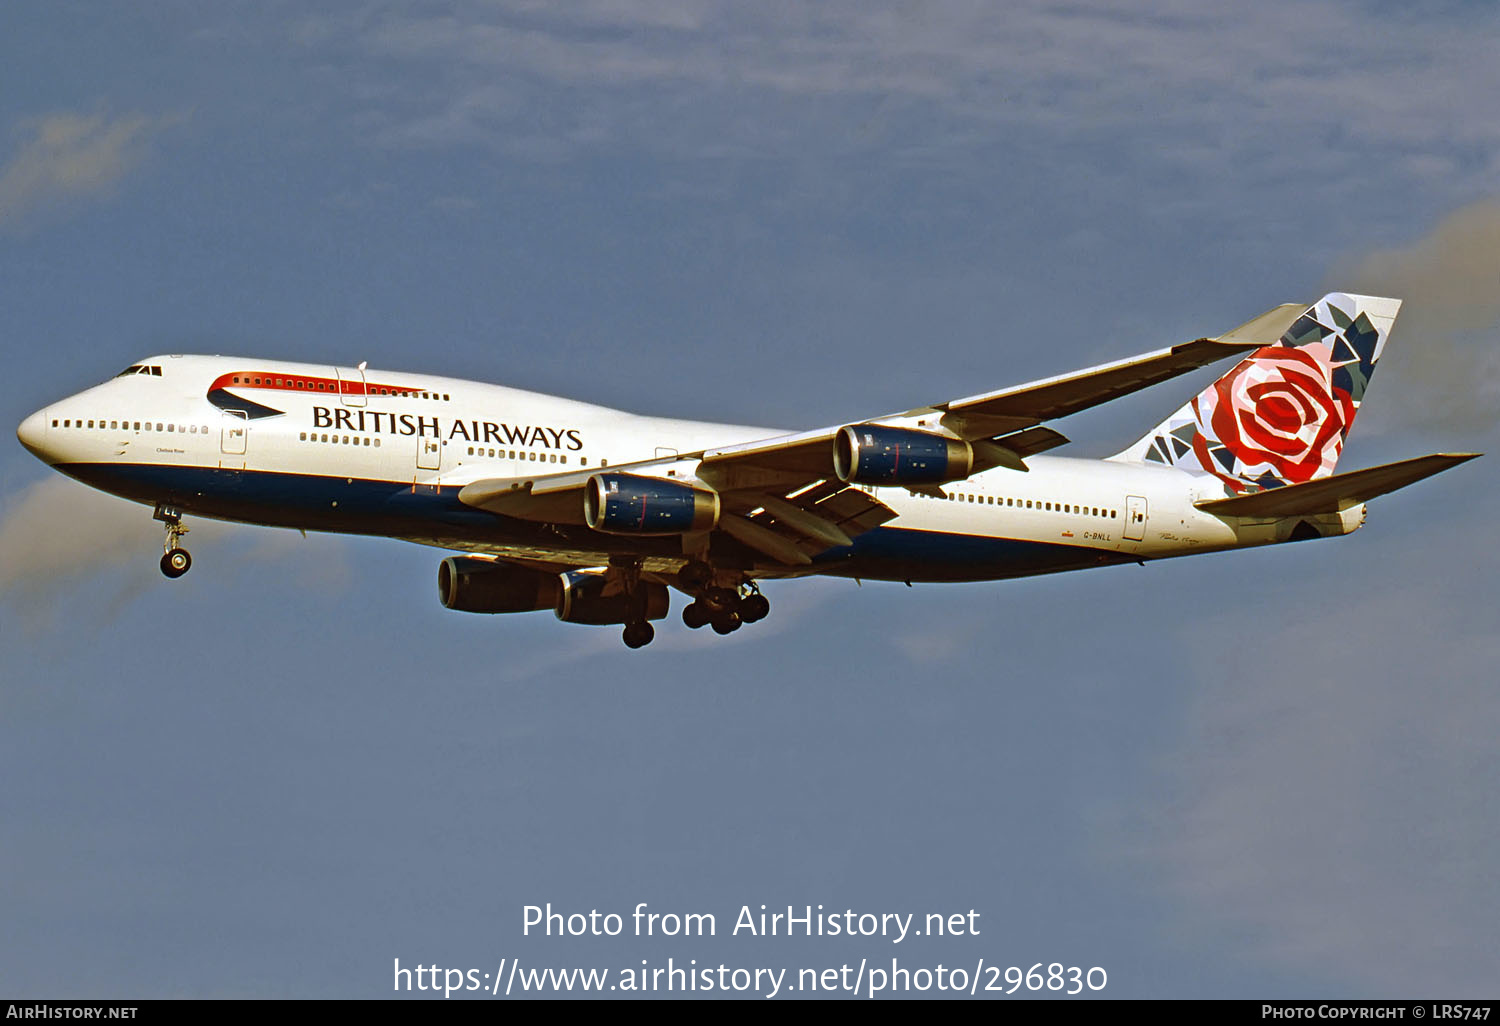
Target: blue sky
[{"x": 1244, "y": 775}]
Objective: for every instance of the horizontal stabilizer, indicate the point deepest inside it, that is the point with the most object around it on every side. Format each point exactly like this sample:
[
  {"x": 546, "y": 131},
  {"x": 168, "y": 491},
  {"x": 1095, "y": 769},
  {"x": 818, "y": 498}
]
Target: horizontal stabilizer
[{"x": 1337, "y": 493}]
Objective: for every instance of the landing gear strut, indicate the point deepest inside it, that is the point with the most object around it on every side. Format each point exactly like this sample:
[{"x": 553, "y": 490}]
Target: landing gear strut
[
  {"x": 638, "y": 631},
  {"x": 175, "y": 560}
]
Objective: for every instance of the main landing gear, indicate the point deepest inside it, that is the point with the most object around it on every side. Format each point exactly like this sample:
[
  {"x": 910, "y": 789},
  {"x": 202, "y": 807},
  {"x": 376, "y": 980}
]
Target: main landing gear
[
  {"x": 175, "y": 560},
  {"x": 726, "y": 609},
  {"x": 638, "y": 631}
]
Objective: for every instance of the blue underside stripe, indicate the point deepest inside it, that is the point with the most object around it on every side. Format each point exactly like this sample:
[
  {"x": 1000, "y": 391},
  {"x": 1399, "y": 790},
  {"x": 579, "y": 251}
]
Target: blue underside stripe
[{"x": 365, "y": 506}]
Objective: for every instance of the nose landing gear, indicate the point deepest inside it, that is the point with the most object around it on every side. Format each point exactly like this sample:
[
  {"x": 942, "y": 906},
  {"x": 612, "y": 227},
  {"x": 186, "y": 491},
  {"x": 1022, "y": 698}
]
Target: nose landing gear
[{"x": 175, "y": 560}]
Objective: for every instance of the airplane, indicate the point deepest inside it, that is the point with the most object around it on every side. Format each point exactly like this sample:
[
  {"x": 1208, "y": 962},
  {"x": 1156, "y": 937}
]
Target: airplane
[{"x": 595, "y": 513}]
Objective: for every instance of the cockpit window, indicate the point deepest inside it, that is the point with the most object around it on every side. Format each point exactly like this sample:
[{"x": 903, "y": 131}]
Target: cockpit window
[
  {"x": 134, "y": 368},
  {"x": 138, "y": 368}
]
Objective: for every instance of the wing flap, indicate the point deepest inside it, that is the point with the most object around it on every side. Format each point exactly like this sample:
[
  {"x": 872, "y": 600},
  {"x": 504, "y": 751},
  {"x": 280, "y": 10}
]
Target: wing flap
[{"x": 1337, "y": 493}]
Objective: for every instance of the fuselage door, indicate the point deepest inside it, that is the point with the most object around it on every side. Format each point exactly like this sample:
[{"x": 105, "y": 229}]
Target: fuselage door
[
  {"x": 234, "y": 430},
  {"x": 1135, "y": 518},
  {"x": 351, "y": 385},
  {"x": 429, "y": 453}
]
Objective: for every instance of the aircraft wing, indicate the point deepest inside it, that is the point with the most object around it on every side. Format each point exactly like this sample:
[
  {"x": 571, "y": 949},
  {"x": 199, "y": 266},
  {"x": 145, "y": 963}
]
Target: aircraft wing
[
  {"x": 1007, "y": 417},
  {"x": 988, "y": 415},
  {"x": 551, "y": 498},
  {"x": 782, "y": 497}
]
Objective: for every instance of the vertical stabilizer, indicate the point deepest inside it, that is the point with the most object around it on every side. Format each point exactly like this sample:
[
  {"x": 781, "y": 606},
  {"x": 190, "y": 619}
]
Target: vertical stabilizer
[{"x": 1281, "y": 415}]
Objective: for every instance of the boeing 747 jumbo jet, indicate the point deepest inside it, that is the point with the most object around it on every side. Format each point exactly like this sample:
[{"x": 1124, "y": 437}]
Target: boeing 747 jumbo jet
[{"x": 595, "y": 513}]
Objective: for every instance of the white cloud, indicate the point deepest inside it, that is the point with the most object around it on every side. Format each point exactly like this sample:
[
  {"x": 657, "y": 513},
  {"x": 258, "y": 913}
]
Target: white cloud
[
  {"x": 69, "y": 157},
  {"x": 57, "y": 529},
  {"x": 1277, "y": 89},
  {"x": 60, "y": 540},
  {"x": 1443, "y": 351}
]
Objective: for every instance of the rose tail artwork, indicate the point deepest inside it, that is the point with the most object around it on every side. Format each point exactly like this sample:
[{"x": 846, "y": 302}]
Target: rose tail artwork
[{"x": 1281, "y": 416}]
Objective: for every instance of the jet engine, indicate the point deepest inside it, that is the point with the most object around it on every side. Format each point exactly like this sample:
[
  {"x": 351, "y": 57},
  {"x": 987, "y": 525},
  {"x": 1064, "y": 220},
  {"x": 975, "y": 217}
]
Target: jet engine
[
  {"x": 582, "y": 600},
  {"x": 876, "y": 455},
  {"x": 630, "y": 504},
  {"x": 472, "y": 585}
]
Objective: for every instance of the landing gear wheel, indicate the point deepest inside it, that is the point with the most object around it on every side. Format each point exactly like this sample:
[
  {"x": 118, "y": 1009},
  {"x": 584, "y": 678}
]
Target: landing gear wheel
[
  {"x": 176, "y": 562},
  {"x": 694, "y": 615},
  {"x": 754, "y": 608},
  {"x": 726, "y": 623},
  {"x": 638, "y": 634}
]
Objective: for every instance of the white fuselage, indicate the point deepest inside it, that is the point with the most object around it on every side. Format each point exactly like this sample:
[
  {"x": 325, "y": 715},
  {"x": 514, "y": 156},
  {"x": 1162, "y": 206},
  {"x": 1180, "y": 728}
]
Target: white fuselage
[{"x": 366, "y": 451}]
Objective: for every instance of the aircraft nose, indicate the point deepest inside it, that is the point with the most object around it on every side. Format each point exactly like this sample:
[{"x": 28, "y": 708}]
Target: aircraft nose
[{"x": 33, "y": 433}]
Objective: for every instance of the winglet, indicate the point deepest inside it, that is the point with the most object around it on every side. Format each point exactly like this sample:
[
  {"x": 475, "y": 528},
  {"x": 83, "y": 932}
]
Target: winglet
[{"x": 1266, "y": 329}]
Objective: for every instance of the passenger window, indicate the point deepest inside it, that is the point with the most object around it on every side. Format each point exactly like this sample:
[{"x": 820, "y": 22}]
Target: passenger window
[
  {"x": 303, "y": 437},
  {"x": 377, "y": 443}
]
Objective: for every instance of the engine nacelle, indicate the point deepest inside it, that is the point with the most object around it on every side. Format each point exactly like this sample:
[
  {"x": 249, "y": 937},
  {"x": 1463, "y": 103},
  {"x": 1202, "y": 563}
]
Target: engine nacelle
[
  {"x": 582, "y": 600},
  {"x": 629, "y": 504},
  {"x": 473, "y": 585},
  {"x": 875, "y": 455}
]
